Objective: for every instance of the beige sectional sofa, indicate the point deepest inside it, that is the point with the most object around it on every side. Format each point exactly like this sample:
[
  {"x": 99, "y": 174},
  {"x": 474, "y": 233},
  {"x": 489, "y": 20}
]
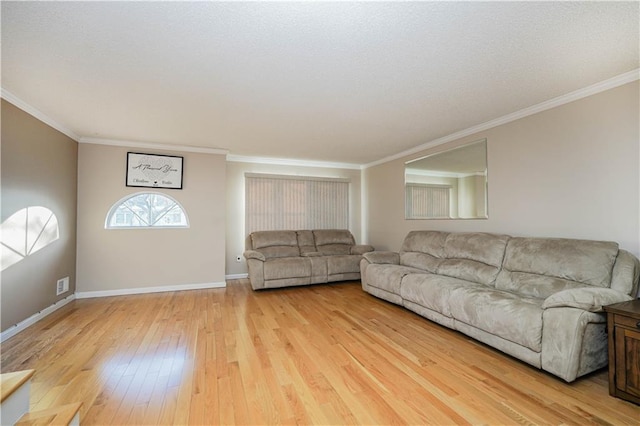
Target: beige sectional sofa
[
  {"x": 288, "y": 258},
  {"x": 537, "y": 299}
]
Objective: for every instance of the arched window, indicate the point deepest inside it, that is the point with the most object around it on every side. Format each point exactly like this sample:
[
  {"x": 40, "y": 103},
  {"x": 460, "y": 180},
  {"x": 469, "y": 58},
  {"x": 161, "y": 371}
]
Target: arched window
[{"x": 147, "y": 210}]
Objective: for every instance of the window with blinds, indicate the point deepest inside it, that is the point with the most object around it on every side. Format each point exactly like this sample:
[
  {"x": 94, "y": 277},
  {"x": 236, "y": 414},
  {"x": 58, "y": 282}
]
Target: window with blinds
[
  {"x": 425, "y": 201},
  {"x": 274, "y": 202}
]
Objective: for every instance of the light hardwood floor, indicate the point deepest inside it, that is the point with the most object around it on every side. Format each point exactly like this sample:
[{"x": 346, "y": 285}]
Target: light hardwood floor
[{"x": 326, "y": 354}]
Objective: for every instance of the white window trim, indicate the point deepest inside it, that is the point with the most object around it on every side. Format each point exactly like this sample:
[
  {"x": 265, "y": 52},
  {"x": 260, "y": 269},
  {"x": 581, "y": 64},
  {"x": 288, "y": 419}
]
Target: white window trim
[{"x": 117, "y": 204}]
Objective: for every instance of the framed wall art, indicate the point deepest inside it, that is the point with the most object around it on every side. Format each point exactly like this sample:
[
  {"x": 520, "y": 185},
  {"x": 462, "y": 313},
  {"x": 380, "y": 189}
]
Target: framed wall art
[{"x": 154, "y": 171}]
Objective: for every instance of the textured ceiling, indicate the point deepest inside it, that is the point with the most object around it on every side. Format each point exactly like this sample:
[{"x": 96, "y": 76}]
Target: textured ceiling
[
  {"x": 345, "y": 82},
  {"x": 467, "y": 159}
]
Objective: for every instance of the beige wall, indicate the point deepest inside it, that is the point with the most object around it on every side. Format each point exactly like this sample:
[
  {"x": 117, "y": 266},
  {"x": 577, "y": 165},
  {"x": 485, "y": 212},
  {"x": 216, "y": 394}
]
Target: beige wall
[
  {"x": 112, "y": 260},
  {"x": 235, "y": 203},
  {"x": 572, "y": 171},
  {"x": 567, "y": 172},
  {"x": 39, "y": 168}
]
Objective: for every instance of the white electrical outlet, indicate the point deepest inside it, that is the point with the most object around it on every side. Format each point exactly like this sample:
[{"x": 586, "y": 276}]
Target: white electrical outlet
[{"x": 62, "y": 286}]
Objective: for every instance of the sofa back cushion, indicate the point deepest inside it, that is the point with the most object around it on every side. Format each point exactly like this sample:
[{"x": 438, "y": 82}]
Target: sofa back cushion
[
  {"x": 273, "y": 244},
  {"x": 306, "y": 242},
  {"x": 473, "y": 256},
  {"x": 423, "y": 249},
  {"x": 333, "y": 241},
  {"x": 539, "y": 267}
]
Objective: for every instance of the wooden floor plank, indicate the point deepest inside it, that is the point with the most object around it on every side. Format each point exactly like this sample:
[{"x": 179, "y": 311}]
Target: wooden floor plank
[{"x": 326, "y": 354}]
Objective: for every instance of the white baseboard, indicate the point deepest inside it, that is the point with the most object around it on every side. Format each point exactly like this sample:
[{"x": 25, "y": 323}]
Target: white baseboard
[
  {"x": 12, "y": 331},
  {"x": 236, "y": 276},
  {"x": 143, "y": 290}
]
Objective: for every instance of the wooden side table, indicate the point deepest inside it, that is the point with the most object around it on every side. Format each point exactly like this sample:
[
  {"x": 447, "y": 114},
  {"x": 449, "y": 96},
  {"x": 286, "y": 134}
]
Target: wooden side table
[{"x": 623, "y": 325}]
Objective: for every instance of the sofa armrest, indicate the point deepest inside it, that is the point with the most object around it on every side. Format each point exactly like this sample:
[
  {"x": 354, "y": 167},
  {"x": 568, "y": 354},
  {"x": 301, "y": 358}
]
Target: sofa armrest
[
  {"x": 312, "y": 254},
  {"x": 253, "y": 254},
  {"x": 590, "y": 299},
  {"x": 382, "y": 257},
  {"x": 573, "y": 341},
  {"x": 361, "y": 249}
]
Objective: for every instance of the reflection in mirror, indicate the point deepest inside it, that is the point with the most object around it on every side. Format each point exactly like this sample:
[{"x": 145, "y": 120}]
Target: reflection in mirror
[{"x": 450, "y": 184}]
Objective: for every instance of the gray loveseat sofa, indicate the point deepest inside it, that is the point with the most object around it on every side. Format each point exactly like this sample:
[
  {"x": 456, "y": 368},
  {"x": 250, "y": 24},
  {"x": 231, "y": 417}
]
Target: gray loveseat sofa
[
  {"x": 537, "y": 299},
  {"x": 288, "y": 258}
]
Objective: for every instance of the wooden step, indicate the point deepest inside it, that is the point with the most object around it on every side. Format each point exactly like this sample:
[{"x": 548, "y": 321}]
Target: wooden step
[
  {"x": 68, "y": 414},
  {"x": 15, "y": 389},
  {"x": 10, "y": 382}
]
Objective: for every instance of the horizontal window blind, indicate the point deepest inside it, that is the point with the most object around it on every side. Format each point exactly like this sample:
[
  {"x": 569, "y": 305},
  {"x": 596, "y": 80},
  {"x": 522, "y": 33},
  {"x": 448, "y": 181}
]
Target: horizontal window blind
[
  {"x": 274, "y": 202},
  {"x": 427, "y": 201}
]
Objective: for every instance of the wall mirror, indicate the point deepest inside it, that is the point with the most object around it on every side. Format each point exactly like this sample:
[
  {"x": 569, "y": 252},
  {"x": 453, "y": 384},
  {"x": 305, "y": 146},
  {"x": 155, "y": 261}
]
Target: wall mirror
[{"x": 449, "y": 184}]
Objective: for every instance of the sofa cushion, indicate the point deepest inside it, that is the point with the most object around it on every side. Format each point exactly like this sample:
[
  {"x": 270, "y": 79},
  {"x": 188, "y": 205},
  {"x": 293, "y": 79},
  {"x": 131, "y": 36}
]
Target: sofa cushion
[
  {"x": 468, "y": 270},
  {"x": 287, "y": 267},
  {"x": 533, "y": 285},
  {"x": 333, "y": 236},
  {"x": 279, "y": 251},
  {"x": 480, "y": 247},
  {"x": 423, "y": 250},
  {"x": 388, "y": 277},
  {"x": 420, "y": 260},
  {"x": 429, "y": 242},
  {"x": 507, "y": 315},
  {"x": 430, "y": 291},
  {"x": 333, "y": 241},
  {"x": 539, "y": 267},
  {"x": 342, "y": 264},
  {"x": 474, "y": 257},
  {"x": 275, "y": 244},
  {"x": 261, "y": 239},
  {"x": 306, "y": 242}
]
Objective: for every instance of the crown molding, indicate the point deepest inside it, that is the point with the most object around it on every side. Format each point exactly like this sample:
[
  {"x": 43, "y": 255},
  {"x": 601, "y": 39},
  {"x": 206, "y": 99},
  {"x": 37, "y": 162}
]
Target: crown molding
[
  {"x": 149, "y": 145},
  {"x": 16, "y": 101},
  {"x": 291, "y": 162},
  {"x": 611, "y": 83}
]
